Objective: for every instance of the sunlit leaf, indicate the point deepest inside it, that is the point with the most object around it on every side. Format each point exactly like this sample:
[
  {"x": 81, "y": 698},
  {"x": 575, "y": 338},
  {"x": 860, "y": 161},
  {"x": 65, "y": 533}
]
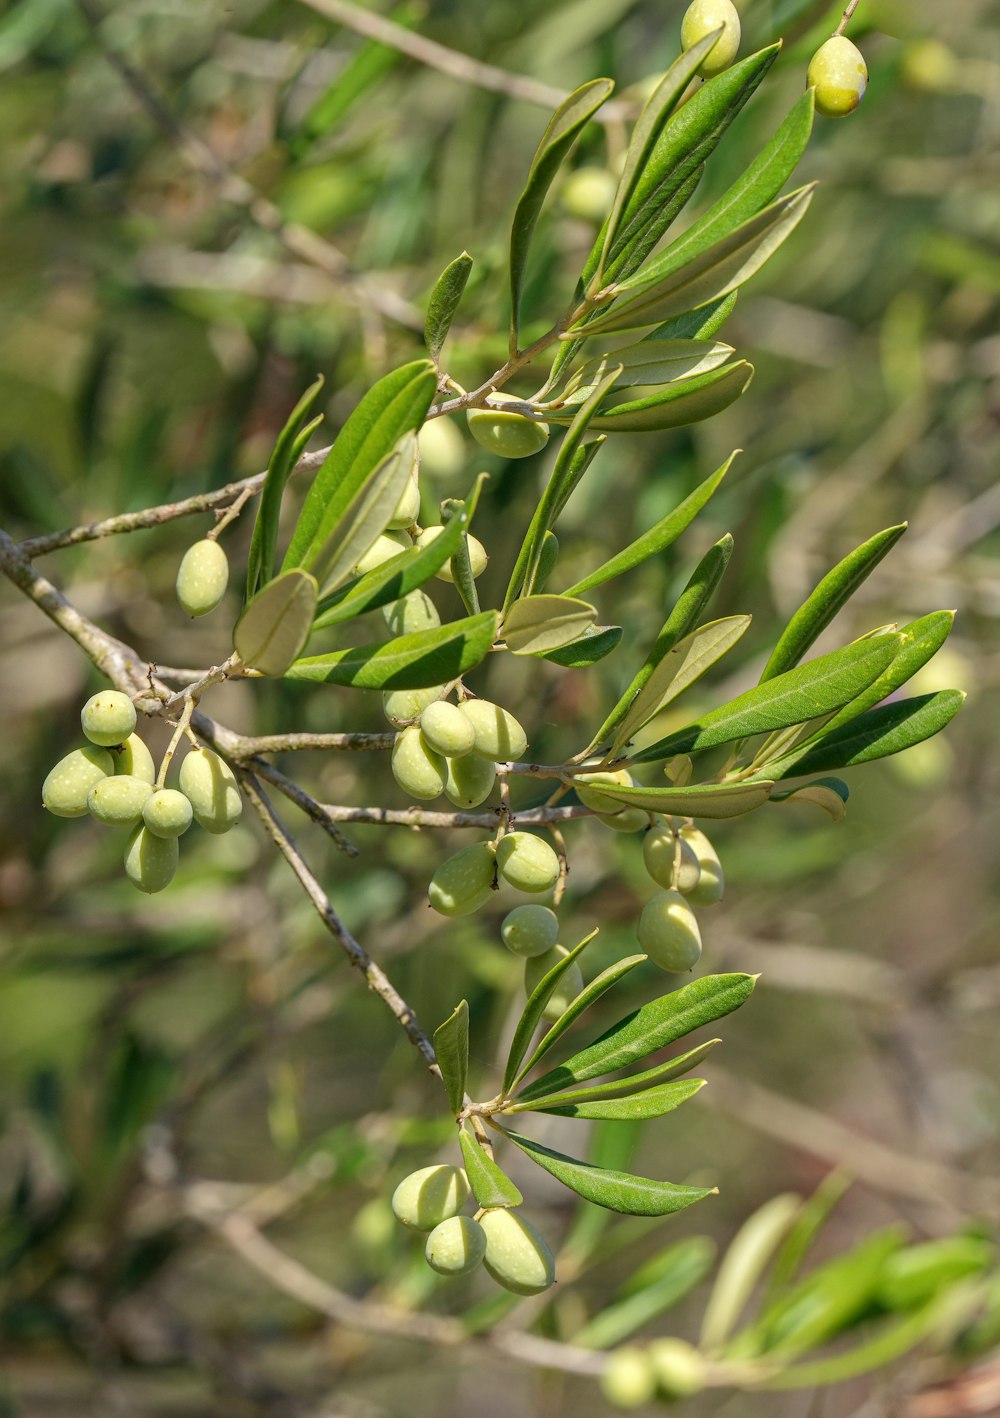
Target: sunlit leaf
[
  {"x": 277, "y": 623},
  {"x": 408, "y": 662},
  {"x": 444, "y": 301},
  {"x": 539, "y": 623},
  {"x": 288, "y": 448},
  {"x": 490, "y": 1184},
  {"x": 673, "y": 406},
  {"x": 599, "y": 641},
  {"x": 649, "y": 1103},
  {"x": 655, "y": 1288},
  {"x": 743, "y": 1264},
  {"x": 534, "y": 1009},
  {"x": 451, "y": 1045}
]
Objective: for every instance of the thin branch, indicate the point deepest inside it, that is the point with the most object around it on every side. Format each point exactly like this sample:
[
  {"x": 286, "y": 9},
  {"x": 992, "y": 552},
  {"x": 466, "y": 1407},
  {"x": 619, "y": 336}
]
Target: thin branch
[
  {"x": 323, "y": 743},
  {"x": 846, "y": 18},
  {"x": 425, "y": 817},
  {"x": 314, "y": 810}
]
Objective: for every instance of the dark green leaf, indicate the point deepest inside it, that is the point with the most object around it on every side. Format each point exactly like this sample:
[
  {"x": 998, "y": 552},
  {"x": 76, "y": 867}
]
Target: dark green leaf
[
  {"x": 539, "y": 623},
  {"x": 701, "y": 800},
  {"x": 599, "y": 641},
  {"x": 657, "y": 1287},
  {"x": 619, "y": 1087},
  {"x": 409, "y": 662},
  {"x": 701, "y": 324},
  {"x": 533, "y": 1010},
  {"x": 829, "y": 794},
  {"x": 687, "y": 401},
  {"x": 276, "y": 624},
  {"x": 490, "y": 1184},
  {"x": 649, "y": 1103},
  {"x": 366, "y": 516},
  {"x": 451, "y": 1045},
  {"x": 287, "y": 449},
  {"x": 444, "y": 301}
]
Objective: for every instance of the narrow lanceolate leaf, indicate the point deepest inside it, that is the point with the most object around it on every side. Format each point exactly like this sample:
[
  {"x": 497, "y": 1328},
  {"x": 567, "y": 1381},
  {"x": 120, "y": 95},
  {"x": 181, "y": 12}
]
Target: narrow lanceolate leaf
[
  {"x": 817, "y": 687},
  {"x": 533, "y": 1010},
  {"x": 444, "y": 301},
  {"x": 722, "y": 268},
  {"x": 830, "y": 795},
  {"x": 658, "y": 538},
  {"x": 688, "y": 401},
  {"x": 366, "y": 517},
  {"x": 619, "y": 1087},
  {"x": 409, "y": 662},
  {"x": 592, "y": 992},
  {"x": 539, "y": 623},
  {"x": 649, "y": 362},
  {"x": 833, "y": 592},
  {"x": 277, "y": 622},
  {"x": 659, "y": 1285},
  {"x": 749, "y": 1253},
  {"x": 889, "y": 729},
  {"x": 701, "y": 324},
  {"x": 708, "y": 800},
  {"x": 661, "y": 1022},
  {"x": 599, "y": 641},
  {"x": 616, "y": 1191},
  {"x": 681, "y": 667},
  {"x": 564, "y": 126},
  {"x": 289, "y": 446},
  {"x": 490, "y": 1184},
  {"x": 451, "y": 1045},
  {"x": 394, "y": 406},
  {"x": 649, "y": 1103}
]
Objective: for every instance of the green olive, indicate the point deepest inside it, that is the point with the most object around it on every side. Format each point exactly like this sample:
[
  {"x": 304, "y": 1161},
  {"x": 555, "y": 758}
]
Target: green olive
[
  {"x": 611, "y": 812},
  {"x": 530, "y": 930},
  {"x": 666, "y": 852},
  {"x": 429, "y": 1196},
  {"x": 568, "y": 987},
  {"x": 527, "y": 862},
  {"x": 464, "y": 882},
  {"x": 442, "y": 449},
  {"x": 407, "y": 508},
  {"x": 517, "y": 1257},
  {"x": 499, "y": 736},
  {"x": 477, "y": 553},
  {"x": 700, "y": 19},
  {"x": 68, "y": 783},
  {"x": 383, "y": 549},
  {"x": 629, "y": 1380},
  {"x": 134, "y": 760},
  {"x": 404, "y": 706},
  {"x": 668, "y": 932},
  {"x": 417, "y": 769},
  {"x": 167, "y": 813},
  {"x": 470, "y": 780},
  {"x": 680, "y": 1368},
  {"x": 118, "y": 801},
  {"x": 411, "y": 614},
  {"x": 210, "y": 786},
  {"x": 509, "y": 435},
  {"x": 838, "y": 73},
  {"x": 711, "y": 878},
  {"x": 108, "y": 718},
  {"x": 150, "y": 861},
  {"x": 446, "y": 729},
  {"x": 588, "y": 193},
  {"x": 456, "y": 1246},
  {"x": 202, "y": 577}
]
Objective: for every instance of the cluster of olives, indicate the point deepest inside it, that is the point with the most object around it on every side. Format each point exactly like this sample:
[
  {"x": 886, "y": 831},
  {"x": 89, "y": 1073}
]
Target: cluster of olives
[
  {"x": 507, "y": 1246},
  {"x": 450, "y": 749},
  {"x": 532, "y": 932},
  {"x": 113, "y": 778},
  {"x": 668, "y": 1368}
]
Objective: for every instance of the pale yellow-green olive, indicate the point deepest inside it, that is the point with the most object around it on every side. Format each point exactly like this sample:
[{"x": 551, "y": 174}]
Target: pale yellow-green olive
[
  {"x": 68, "y": 783},
  {"x": 670, "y": 860},
  {"x": 383, "y": 549},
  {"x": 470, "y": 780},
  {"x": 700, "y": 19},
  {"x": 150, "y": 861},
  {"x": 456, "y": 1246},
  {"x": 668, "y": 932},
  {"x": 134, "y": 760},
  {"x": 930, "y": 65},
  {"x": 417, "y": 769},
  {"x": 202, "y": 577},
  {"x": 407, "y": 508},
  {"x": 508, "y": 434},
  {"x": 446, "y": 729},
  {"x": 629, "y": 1380},
  {"x": 108, "y": 718},
  {"x": 612, "y": 813},
  {"x": 530, "y": 930},
  {"x": 711, "y": 878},
  {"x": 569, "y": 985},
  {"x": 167, "y": 813},
  {"x": 588, "y": 194},
  {"x": 838, "y": 73},
  {"x": 442, "y": 449},
  {"x": 680, "y": 1369},
  {"x": 411, "y": 614},
  {"x": 404, "y": 706},
  {"x": 210, "y": 786},
  {"x": 499, "y": 736},
  {"x": 517, "y": 1257},
  {"x": 527, "y": 862},
  {"x": 477, "y": 553},
  {"x": 464, "y": 881},
  {"x": 118, "y": 801},
  {"x": 429, "y": 1196}
]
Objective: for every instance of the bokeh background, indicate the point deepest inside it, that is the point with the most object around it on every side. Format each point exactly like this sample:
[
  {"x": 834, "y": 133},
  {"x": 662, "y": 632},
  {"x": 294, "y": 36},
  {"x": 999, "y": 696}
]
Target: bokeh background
[{"x": 153, "y": 338}]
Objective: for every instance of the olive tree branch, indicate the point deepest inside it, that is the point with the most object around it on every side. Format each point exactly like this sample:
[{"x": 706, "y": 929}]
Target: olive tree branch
[
  {"x": 296, "y": 743},
  {"x": 424, "y": 817},
  {"x": 846, "y": 18}
]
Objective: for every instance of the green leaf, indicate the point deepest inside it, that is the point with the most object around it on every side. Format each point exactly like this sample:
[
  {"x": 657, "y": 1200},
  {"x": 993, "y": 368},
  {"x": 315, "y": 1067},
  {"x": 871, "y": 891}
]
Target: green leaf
[
  {"x": 396, "y": 405},
  {"x": 533, "y": 1010},
  {"x": 619, "y": 1087},
  {"x": 451, "y": 1045},
  {"x": 366, "y": 517},
  {"x": 828, "y": 794},
  {"x": 658, "y": 538},
  {"x": 617, "y": 1191},
  {"x": 688, "y": 401},
  {"x": 599, "y": 641},
  {"x": 812, "y": 1217},
  {"x": 277, "y": 622},
  {"x": 444, "y": 301},
  {"x": 892, "y": 728},
  {"x": 287, "y": 449},
  {"x": 742, "y": 1266},
  {"x": 701, "y": 324},
  {"x": 700, "y": 800},
  {"x": 409, "y": 662},
  {"x": 647, "y": 363},
  {"x": 567, "y": 121},
  {"x": 833, "y": 592},
  {"x": 661, "y": 1283},
  {"x": 490, "y": 1184},
  {"x": 649, "y": 1103},
  {"x": 661, "y": 1022},
  {"x": 814, "y": 688},
  {"x": 539, "y": 623}
]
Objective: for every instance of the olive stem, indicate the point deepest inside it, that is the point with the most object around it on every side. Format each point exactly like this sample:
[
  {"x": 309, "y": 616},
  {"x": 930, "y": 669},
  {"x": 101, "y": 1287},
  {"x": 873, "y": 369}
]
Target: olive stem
[
  {"x": 846, "y": 18},
  {"x": 230, "y": 514},
  {"x": 183, "y": 724}
]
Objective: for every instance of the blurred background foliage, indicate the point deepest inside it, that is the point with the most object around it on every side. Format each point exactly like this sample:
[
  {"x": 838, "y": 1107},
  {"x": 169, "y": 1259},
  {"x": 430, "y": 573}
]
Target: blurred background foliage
[{"x": 153, "y": 338}]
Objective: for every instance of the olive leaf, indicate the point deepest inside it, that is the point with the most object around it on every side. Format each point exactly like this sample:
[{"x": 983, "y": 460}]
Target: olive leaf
[
  {"x": 829, "y": 794},
  {"x": 743, "y": 1264},
  {"x": 538, "y": 623},
  {"x": 687, "y": 401},
  {"x": 451, "y": 1045},
  {"x": 366, "y": 516},
  {"x": 277, "y": 623},
  {"x": 619, "y": 1087},
  {"x": 489, "y": 1182},
  {"x": 647, "y": 363},
  {"x": 654, "y": 1288},
  {"x": 288, "y": 448},
  {"x": 598, "y": 641},
  {"x": 444, "y": 301},
  {"x": 700, "y": 800},
  {"x": 534, "y": 1008},
  {"x": 648, "y": 1103},
  {"x": 408, "y": 662}
]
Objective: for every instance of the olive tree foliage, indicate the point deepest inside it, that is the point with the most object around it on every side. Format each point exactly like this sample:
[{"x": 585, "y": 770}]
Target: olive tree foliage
[{"x": 636, "y": 350}]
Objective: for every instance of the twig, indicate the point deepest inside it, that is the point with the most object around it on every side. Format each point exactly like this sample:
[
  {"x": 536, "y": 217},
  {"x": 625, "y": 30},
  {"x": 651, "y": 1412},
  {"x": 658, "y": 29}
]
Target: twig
[
  {"x": 846, "y": 18},
  {"x": 231, "y": 513},
  {"x": 323, "y": 743},
  {"x": 316, "y": 811},
  {"x": 426, "y": 817}
]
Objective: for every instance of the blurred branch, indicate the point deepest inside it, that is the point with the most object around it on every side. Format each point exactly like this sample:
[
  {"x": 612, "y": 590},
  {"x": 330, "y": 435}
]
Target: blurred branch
[{"x": 424, "y": 817}]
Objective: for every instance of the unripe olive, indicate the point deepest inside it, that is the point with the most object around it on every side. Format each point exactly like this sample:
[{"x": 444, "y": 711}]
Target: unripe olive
[
  {"x": 668, "y": 932},
  {"x": 660, "y": 848},
  {"x": 456, "y": 1246},
  {"x": 108, "y": 718},
  {"x": 407, "y": 508},
  {"x": 429, "y": 1196},
  {"x": 202, "y": 577},
  {"x": 499, "y": 736},
  {"x": 417, "y": 769},
  {"x": 150, "y": 861},
  {"x": 838, "y": 73},
  {"x": 68, "y": 783},
  {"x": 509, "y": 435},
  {"x": 403, "y": 706},
  {"x": 470, "y": 780},
  {"x": 517, "y": 1257},
  {"x": 134, "y": 760},
  {"x": 629, "y": 1380},
  {"x": 477, "y": 553},
  {"x": 711, "y": 879},
  {"x": 446, "y": 729},
  {"x": 411, "y": 614},
  {"x": 527, "y": 862},
  {"x": 570, "y": 981},
  {"x": 167, "y": 813},
  {"x": 442, "y": 448},
  {"x": 463, "y": 882},
  {"x": 613, "y": 814},
  {"x": 118, "y": 801},
  {"x": 680, "y": 1368},
  {"x": 929, "y": 64},
  {"x": 530, "y": 930},
  {"x": 383, "y": 549},
  {"x": 700, "y": 19},
  {"x": 588, "y": 194},
  {"x": 211, "y": 787}
]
